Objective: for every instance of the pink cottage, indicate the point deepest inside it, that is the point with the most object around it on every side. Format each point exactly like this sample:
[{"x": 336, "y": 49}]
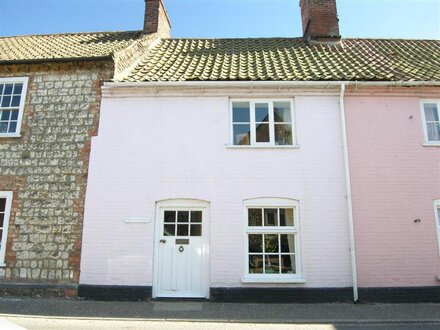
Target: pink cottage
[{"x": 277, "y": 169}]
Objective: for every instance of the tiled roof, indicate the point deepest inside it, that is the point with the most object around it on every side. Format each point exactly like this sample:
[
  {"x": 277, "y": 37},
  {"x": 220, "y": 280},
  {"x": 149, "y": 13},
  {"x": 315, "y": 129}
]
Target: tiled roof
[
  {"x": 64, "y": 46},
  {"x": 289, "y": 59}
]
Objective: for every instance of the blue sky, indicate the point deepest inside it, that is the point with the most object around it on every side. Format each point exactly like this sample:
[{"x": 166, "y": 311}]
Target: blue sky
[{"x": 418, "y": 19}]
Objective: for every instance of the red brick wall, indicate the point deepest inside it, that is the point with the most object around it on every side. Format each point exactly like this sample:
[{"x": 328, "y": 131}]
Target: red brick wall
[
  {"x": 156, "y": 18},
  {"x": 319, "y": 18}
]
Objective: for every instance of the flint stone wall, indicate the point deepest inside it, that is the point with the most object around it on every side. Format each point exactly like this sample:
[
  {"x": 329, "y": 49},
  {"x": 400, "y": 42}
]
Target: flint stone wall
[{"x": 46, "y": 168}]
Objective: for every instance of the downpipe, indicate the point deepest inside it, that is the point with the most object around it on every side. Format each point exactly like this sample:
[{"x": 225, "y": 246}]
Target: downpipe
[{"x": 349, "y": 199}]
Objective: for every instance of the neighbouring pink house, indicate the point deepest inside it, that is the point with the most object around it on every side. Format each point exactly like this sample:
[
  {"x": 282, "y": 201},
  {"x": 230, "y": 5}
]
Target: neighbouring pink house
[
  {"x": 394, "y": 150},
  {"x": 273, "y": 169}
]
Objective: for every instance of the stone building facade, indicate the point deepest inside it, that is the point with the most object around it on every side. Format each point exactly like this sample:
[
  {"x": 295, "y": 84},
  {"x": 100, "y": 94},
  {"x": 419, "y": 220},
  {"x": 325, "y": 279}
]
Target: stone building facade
[
  {"x": 44, "y": 164},
  {"x": 46, "y": 168}
]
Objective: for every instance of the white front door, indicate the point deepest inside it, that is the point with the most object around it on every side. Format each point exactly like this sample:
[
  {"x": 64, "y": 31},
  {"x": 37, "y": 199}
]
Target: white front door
[{"x": 181, "y": 258}]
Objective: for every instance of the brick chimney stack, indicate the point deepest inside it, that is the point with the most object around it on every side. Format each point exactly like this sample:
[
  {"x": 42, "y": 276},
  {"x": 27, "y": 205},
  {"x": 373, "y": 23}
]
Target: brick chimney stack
[
  {"x": 320, "y": 20},
  {"x": 156, "y": 19}
]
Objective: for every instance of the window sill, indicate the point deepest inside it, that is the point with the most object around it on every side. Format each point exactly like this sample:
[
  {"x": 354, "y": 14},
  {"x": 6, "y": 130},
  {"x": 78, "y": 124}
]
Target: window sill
[
  {"x": 431, "y": 144},
  {"x": 230, "y": 146},
  {"x": 15, "y": 135},
  {"x": 2, "y": 264},
  {"x": 275, "y": 279}
]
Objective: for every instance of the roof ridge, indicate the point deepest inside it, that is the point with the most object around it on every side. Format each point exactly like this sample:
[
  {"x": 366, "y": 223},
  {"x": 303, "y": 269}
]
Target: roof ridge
[
  {"x": 389, "y": 39},
  {"x": 301, "y": 38},
  {"x": 205, "y": 38},
  {"x": 68, "y": 33},
  {"x": 242, "y": 38}
]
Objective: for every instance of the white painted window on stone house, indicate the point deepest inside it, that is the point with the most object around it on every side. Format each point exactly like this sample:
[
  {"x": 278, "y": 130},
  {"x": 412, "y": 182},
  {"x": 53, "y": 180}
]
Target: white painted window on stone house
[
  {"x": 5, "y": 212},
  {"x": 12, "y": 99}
]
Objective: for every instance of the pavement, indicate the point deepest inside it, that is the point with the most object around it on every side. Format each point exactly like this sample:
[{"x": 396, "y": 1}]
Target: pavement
[{"x": 57, "y": 313}]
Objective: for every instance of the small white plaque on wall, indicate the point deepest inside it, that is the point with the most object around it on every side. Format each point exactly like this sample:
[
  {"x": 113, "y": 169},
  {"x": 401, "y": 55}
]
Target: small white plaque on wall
[{"x": 137, "y": 219}]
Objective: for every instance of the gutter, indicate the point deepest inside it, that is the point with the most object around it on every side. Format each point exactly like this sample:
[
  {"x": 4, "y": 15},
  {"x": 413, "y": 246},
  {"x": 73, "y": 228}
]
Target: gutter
[
  {"x": 273, "y": 84},
  {"x": 349, "y": 199}
]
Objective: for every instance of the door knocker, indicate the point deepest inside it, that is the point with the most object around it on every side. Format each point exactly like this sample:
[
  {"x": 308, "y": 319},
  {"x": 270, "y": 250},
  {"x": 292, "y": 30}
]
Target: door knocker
[{"x": 181, "y": 249}]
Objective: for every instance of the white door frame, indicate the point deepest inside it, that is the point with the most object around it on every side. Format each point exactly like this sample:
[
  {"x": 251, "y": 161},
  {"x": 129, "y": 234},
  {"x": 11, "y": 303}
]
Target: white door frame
[{"x": 181, "y": 203}]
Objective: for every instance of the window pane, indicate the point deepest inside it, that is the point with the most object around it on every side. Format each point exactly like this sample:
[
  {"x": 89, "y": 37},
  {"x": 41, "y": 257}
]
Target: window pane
[
  {"x": 261, "y": 112},
  {"x": 271, "y": 217},
  {"x": 18, "y": 88},
  {"x": 15, "y": 101},
  {"x": 256, "y": 264},
  {"x": 283, "y": 134},
  {"x": 271, "y": 243},
  {"x": 1, "y": 89},
  {"x": 14, "y": 114},
  {"x": 1, "y": 235},
  {"x": 288, "y": 264},
  {"x": 182, "y": 216},
  {"x": 433, "y": 131},
  {"x": 170, "y": 216},
  {"x": 196, "y": 230},
  {"x": 255, "y": 217},
  {"x": 272, "y": 264},
  {"x": 281, "y": 112},
  {"x": 431, "y": 113},
  {"x": 286, "y": 217},
  {"x": 287, "y": 243},
  {"x": 2, "y": 218},
  {"x": 242, "y": 134},
  {"x": 3, "y": 127},
  {"x": 12, "y": 127},
  {"x": 182, "y": 230},
  {"x": 241, "y": 112},
  {"x": 169, "y": 230},
  {"x": 5, "y": 115},
  {"x": 2, "y": 204},
  {"x": 262, "y": 133},
  {"x": 196, "y": 216},
  {"x": 255, "y": 243},
  {"x": 8, "y": 89},
  {"x": 6, "y": 101}
]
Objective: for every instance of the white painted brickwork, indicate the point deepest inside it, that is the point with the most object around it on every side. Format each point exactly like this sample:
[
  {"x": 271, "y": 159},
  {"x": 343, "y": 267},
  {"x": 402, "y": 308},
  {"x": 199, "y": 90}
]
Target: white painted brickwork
[{"x": 159, "y": 148}]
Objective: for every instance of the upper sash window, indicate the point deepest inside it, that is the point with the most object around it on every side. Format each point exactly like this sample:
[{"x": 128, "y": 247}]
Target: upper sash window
[
  {"x": 12, "y": 98},
  {"x": 262, "y": 123},
  {"x": 431, "y": 121}
]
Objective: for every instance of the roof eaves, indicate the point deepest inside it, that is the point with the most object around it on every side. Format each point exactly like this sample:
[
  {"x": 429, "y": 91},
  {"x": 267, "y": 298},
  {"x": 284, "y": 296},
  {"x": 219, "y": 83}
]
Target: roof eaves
[
  {"x": 69, "y": 34},
  {"x": 64, "y": 59}
]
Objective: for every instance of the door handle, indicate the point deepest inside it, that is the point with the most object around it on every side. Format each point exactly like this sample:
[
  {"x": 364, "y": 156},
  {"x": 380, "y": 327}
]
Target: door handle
[{"x": 163, "y": 241}]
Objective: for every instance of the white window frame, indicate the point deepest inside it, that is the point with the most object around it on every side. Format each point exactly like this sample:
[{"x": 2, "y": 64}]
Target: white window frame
[
  {"x": 253, "y": 142},
  {"x": 24, "y": 81},
  {"x": 437, "y": 221},
  {"x": 8, "y": 195},
  {"x": 425, "y": 128},
  {"x": 272, "y": 203}
]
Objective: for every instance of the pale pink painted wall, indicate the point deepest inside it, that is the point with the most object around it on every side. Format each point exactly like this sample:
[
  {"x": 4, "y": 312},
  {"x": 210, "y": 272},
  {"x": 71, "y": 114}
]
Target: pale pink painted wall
[
  {"x": 394, "y": 181},
  {"x": 158, "y": 148}
]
